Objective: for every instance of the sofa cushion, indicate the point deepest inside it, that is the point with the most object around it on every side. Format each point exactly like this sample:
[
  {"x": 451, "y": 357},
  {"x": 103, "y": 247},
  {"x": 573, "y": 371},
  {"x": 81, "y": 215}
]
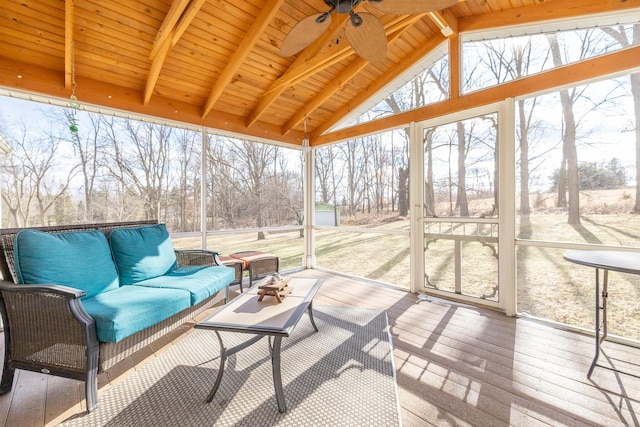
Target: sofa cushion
[
  {"x": 142, "y": 253},
  {"x": 124, "y": 311},
  {"x": 80, "y": 259},
  {"x": 201, "y": 282}
]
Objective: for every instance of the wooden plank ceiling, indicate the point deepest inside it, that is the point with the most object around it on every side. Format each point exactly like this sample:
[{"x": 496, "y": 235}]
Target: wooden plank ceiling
[{"x": 217, "y": 63}]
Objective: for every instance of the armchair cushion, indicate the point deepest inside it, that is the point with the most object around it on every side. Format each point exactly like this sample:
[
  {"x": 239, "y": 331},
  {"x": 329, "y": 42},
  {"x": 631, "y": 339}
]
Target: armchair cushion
[
  {"x": 80, "y": 259},
  {"x": 142, "y": 253}
]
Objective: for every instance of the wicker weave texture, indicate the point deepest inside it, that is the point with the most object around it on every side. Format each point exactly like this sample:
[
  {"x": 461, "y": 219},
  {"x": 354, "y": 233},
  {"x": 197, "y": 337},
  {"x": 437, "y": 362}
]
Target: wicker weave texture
[
  {"x": 48, "y": 330},
  {"x": 260, "y": 267},
  {"x": 45, "y": 331}
]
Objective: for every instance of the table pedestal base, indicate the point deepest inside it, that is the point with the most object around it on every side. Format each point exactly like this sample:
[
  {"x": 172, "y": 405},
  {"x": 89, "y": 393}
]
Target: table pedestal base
[{"x": 600, "y": 326}]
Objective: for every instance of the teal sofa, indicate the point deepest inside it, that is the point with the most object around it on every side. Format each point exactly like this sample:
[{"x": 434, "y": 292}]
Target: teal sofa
[{"x": 83, "y": 298}]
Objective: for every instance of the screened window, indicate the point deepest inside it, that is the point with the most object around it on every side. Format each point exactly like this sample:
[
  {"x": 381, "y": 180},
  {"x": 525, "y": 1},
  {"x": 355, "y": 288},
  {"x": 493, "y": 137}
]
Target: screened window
[
  {"x": 252, "y": 184},
  {"x": 577, "y": 169},
  {"x": 490, "y": 62}
]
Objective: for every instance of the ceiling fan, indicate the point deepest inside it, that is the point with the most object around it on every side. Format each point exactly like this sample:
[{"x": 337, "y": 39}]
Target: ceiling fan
[{"x": 363, "y": 30}]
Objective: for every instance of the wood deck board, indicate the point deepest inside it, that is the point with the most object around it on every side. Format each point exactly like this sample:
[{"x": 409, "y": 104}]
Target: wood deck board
[{"x": 456, "y": 365}]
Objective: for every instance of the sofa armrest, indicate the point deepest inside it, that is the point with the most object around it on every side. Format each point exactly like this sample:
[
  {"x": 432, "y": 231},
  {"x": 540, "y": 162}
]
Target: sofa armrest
[
  {"x": 46, "y": 329},
  {"x": 197, "y": 257},
  {"x": 66, "y": 291}
]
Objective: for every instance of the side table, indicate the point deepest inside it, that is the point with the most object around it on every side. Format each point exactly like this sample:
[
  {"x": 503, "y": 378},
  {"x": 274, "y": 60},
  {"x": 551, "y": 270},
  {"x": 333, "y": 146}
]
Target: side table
[{"x": 620, "y": 261}]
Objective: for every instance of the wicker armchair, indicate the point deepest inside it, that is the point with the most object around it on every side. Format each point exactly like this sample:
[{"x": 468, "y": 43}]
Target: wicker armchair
[
  {"x": 46, "y": 328},
  {"x": 261, "y": 266}
]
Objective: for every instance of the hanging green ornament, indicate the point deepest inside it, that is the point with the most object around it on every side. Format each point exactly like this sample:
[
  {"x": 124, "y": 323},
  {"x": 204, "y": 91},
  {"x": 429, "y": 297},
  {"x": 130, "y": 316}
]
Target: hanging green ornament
[{"x": 74, "y": 104}]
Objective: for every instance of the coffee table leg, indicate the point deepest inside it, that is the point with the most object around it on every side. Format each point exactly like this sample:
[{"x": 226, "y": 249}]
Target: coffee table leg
[
  {"x": 224, "y": 353},
  {"x": 310, "y": 309},
  {"x": 223, "y": 359},
  {"x": 277, "y": 378}
]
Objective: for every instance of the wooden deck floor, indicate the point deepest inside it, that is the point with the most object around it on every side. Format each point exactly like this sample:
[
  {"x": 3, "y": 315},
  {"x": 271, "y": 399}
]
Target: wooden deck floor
[{"x": 456, "y": 365}]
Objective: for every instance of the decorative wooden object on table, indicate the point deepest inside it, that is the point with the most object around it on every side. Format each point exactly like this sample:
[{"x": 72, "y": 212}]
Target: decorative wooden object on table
[{"x": 275, "y": 286}]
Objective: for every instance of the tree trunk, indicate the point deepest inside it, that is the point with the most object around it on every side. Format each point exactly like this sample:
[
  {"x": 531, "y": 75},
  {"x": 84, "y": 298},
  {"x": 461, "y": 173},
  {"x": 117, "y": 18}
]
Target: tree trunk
[
  {"x": 570, "y": 154},
  {"x": 573, "y": 185},
  {"x": 429, "y": 196},
  {"x": 635, "y": 91},
  {"x": 461, "y": 194},
  {"x": 562, "y": 181},
  {"x": 525, "y": 206},
  {"x": 403, "y": 191}
]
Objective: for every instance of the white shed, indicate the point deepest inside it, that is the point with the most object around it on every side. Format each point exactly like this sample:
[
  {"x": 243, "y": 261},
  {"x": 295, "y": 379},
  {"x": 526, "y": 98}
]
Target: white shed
[{"x": 326, "y": 214}]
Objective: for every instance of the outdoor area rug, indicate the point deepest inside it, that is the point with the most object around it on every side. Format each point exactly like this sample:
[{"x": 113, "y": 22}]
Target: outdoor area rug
[{"x": 342, "y": 375}]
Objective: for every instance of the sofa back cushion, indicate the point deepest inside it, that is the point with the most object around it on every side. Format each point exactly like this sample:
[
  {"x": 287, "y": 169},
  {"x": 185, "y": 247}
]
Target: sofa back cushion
[
  {"x": 142, "y": 253},
  {"x": 80, "y": 259}
]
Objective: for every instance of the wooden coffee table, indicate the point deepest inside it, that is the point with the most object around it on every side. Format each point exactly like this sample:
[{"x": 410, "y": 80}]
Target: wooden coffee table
[{"x": 245, "y": 314}]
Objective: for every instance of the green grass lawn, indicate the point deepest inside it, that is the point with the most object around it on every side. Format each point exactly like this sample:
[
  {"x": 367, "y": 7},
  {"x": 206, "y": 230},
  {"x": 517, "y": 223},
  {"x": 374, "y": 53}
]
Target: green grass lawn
[{"x": 547, "y": 286}]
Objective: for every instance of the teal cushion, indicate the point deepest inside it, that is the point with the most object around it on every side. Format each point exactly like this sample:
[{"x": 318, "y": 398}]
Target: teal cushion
[
  {"x": 201, "y": 282},
  {"x": 129, "y": 309},
  {"x": 80, "y": 259},
  {"x": 142, "y": 253}
]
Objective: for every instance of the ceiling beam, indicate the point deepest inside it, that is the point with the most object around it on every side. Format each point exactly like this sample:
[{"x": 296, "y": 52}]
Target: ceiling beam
[
  {"x": 518, "y": 16},
  {"x": 166, "y": 29},
  {"x": 46, "y": 82},
  {"x": 154, "y": 71},
  {"x": 333, "y": 87},
  {"x": 174, "y": 25},
  {"x": 248, "y": 42},
  {"x": 186, "y": 19},
  {"x": 332, "y": 56},
  {"x": 620, "y": 61},
  {"x": 338, "y": 82},
  {"x": 311, "y": 67},
  {"x": 379, "y": 84},
  {"x": 553, "y": 10},
  {"x": 300, "y": 71},
  {"x": 438, "y": 18},
  {"x": 276, "y": 88},
  {"x": 68, "y": 44}
]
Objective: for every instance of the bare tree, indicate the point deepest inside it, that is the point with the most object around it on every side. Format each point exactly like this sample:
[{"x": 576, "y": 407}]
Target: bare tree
[
  {"x": 429, "y": 195},
  {"x": 378, "y": 166},
  {"x": 511, "y": 61},
  {"x": 138, "y": 158},
  {"x": 187, "y": 194},
  {"x": 353, "y": 156},
  {"x": 35, "y": 175},
  {"x": 568, "y": 179},
  {"x": 403, "y": 168},
  {"x": 568, "y": 182},
  {"x": 461, "y": 186},
  {"x": 223, "y": 200},
  {"x": 246, "y": 166},
  {"x": 87, "y": 149},
  {"x": 621, "y": 36},
  {"x": 324, "y": 158}
]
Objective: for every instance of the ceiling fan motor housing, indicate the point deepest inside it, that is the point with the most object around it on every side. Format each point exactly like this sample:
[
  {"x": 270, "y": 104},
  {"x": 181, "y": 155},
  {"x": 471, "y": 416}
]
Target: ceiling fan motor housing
[{"x": 345, "y": 6}]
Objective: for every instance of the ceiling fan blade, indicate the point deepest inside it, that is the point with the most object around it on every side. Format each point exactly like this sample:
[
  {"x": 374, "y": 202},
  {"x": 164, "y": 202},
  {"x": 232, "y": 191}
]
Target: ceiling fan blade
[
  {"x": 410, "y": 7},
  {"x": 368, "y": 39},
  {"x": 304, "y": 33}
]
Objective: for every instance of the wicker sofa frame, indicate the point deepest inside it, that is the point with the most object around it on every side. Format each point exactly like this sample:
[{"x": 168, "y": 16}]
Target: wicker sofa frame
[{"x": 47, "y": 330}]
